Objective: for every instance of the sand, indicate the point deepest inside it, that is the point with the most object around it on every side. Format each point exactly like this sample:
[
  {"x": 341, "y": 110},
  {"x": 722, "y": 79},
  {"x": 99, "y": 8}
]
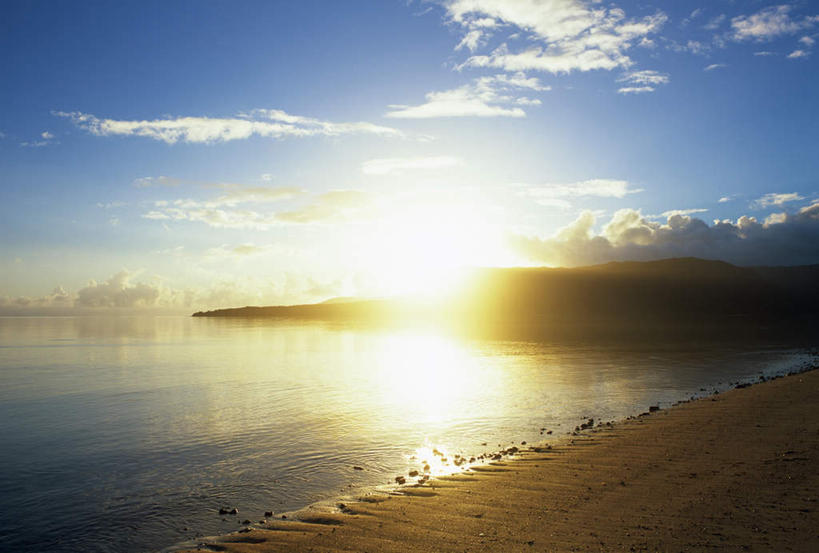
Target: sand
[{"x": 734, "y": 472}]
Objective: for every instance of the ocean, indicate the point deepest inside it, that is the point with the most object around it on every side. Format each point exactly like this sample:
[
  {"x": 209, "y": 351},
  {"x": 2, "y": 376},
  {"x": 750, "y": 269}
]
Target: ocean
[{"x": 128, "y": 434}]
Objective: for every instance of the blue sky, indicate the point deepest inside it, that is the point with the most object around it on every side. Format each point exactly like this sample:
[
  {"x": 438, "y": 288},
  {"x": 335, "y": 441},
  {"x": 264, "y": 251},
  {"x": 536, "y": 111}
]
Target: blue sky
[{"x": 186, "y": 155}]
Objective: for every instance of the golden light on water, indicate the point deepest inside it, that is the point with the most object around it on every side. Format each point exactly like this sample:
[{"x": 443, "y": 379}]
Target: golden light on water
[
  {"x": 427, "y": 376},
  {"x": 432, "y": 380}
]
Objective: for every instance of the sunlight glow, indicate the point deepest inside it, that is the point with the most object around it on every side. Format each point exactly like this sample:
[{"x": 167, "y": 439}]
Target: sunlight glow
[{"x": 425, "y": 249}]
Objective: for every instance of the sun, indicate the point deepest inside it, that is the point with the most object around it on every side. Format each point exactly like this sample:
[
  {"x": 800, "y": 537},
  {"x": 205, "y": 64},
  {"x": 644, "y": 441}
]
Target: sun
[{"x": 427, "y": 249}]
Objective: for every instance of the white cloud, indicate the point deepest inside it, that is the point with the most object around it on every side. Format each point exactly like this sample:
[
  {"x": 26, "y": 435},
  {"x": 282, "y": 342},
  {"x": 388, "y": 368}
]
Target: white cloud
[
  {"x": 570, "y": 35},
  {"x": 714, "y": 66},
  {"x": 691, "y": 211},
  {"x": 558, "y": 195},
  {"x": 807, "y": 41},
  {"x": 261, "y": 122},
  {"x": 335, "y": 206},
  {"x": 635, "y": 89},
  {"x": 772, "y": 199},
  {"x": 763, "y": 53},
  {"x": 241, "y": 250},
  {"x": 645, "y": 77},
  {"x": 696, "y": 47},
  {"x": 798, "y": 54},
  {"x": 769, "y": 23},
  {"x": 642, "y": 81},
  {"x": 693, "y": 15},
  {"x": 385, "y": 166},
  {"x": 785, "y": 239},
  {"x": 145, "y": 182},
  {"x": 47, "y": 138},
  {"x": 714, "y": 23},
  {"x": 111, "y": 205},
  {"x": 239, "y": 208},
  {"x": 235, "y": 208},
  {"x": 266, "y": 177},
  {"x": 470, "y": 40},
  {"x": 490, "y": 96},
  {"x": 243, "y": 194},
  {"x": 725, "y": 199}
]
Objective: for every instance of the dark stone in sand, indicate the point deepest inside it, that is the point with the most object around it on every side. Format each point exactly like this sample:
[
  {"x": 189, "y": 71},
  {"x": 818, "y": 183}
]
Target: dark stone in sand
[
  {"x": 268, "y": 514},
  {"x": 522, "y": 443},
  {"x": 653, "y": 408},
  {"x": 413, "y": 473},
  {"x": 246, "y": 521},
  {"x": 400, "y": 479},
  {"x": 358, "y": 468},
  {"x": 284, "y": 516}
]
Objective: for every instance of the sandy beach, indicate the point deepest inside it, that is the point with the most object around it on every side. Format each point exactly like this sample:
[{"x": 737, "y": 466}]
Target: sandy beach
[{"x": 734, "y": 472}]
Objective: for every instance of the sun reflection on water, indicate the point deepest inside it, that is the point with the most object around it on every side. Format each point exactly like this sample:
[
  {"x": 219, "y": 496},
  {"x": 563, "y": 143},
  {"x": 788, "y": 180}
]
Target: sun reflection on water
[{"x": 427, "y": 377}]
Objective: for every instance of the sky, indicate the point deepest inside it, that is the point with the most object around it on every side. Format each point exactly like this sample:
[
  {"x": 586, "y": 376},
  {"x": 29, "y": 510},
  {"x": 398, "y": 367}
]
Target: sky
[{"x": 196, "y": 155}]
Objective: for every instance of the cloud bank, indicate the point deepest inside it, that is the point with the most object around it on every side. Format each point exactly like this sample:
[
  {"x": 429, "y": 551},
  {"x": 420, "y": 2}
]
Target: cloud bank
[
  {"x": 122, "y": 293},
  {"x": 783, "y": 239}
]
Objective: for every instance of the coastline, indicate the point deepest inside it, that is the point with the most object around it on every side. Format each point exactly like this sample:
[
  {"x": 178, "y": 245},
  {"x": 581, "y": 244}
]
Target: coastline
[{"x": 733, "y": 471}]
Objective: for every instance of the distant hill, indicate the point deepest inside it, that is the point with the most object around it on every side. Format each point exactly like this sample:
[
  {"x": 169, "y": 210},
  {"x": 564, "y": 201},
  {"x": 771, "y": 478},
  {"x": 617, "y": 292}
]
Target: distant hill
[{"x": 670, "y": 291}]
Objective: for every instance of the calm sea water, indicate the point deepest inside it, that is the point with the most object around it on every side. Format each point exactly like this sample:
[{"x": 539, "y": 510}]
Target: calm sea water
[{"x": 127, "y": 434}]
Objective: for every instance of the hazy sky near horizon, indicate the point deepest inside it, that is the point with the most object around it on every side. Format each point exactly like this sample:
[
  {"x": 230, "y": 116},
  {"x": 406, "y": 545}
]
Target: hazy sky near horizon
[{"x": 202, "y": 154}]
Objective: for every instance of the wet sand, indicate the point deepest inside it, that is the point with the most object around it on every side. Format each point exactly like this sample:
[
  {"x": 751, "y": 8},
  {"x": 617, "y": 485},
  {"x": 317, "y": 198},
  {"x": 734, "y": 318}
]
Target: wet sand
[{"x": 732, "y": 472}]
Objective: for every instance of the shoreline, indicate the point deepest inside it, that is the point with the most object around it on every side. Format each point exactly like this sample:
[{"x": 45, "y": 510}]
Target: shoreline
[{"x": 700, "y": 464}]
